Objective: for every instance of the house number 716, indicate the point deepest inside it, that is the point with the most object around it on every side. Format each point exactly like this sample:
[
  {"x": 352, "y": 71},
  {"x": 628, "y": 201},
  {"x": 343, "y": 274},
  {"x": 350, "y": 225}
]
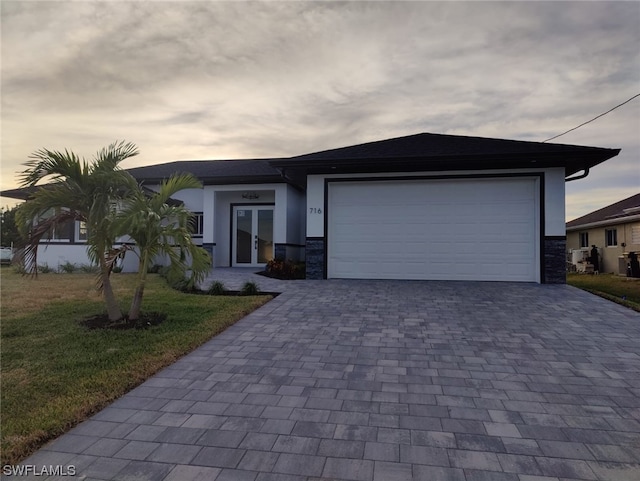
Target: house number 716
[{"x": 315, "y": 210}]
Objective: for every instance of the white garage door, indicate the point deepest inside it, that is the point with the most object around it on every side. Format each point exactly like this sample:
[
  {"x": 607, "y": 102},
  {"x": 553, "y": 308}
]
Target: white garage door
[{"x": 459, "y": 229}]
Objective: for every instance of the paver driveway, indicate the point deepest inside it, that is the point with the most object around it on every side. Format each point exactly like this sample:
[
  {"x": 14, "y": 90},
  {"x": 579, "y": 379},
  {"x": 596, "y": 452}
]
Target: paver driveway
[{"x": 386, "y": 380}]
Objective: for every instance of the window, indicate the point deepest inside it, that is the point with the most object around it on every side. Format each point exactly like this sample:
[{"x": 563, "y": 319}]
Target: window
[
  {"x": 81, "y": 231},
  {"x": 635, "y": 234},
  {"x": 58, "y": 234},
  {"x": 611, "y": 237},
  {"x": 196, "y": 224},
  {"x": 584, "y": 239},
  {"x": 61, "y": 233}
]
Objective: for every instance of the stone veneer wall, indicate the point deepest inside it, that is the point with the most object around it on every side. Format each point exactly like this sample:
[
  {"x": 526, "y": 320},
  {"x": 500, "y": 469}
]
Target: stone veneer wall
[
  {"x": 314, "y": 255},
  {"x": 555, "y": 260},
  {"x": 280, "y": 251}
]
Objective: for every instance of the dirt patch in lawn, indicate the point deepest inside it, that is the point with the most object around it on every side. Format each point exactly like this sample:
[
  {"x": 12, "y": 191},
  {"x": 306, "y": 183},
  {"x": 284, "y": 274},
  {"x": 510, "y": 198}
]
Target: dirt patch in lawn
[{"x": 146, "y": 320}]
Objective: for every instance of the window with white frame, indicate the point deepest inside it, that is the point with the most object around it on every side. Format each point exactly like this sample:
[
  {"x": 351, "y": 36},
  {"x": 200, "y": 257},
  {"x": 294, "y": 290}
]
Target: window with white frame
[
  {"x": 81, "y": 231},
  {"x": 611, "y": 237},
  {"x": 635, "y": 234},
  {"x": 584, "y": 239},
  {"x": 196, "y": 224},
  {"x": 61, "y": 232}
]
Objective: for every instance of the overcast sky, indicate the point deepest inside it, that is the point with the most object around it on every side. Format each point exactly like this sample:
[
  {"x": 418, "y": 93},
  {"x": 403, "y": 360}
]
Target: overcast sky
[{"x": 219, "y": 80}]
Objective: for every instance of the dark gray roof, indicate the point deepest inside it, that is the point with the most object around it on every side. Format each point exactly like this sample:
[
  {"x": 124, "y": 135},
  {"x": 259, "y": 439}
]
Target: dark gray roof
[
  {"x": 212, "y": 171},
  {"x": 419, "y": 152},
  {"x": 618, "y": 211},
  {"x": 22, "y": 193},
  {"x": 439, "y": 145},
  {"x": 447, "y": 152}
]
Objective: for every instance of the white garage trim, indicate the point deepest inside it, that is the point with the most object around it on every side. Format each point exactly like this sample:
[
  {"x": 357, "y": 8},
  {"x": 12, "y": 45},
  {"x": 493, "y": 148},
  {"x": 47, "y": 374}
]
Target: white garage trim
[{"x": 436, "y": 229}]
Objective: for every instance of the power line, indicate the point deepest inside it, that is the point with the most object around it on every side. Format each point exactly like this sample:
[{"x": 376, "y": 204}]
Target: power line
[{"x": 597, "y": 117}]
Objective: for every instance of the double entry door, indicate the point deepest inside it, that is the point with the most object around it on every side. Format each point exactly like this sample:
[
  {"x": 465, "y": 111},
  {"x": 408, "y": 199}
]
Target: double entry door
[{"x": 252, "y": 235}]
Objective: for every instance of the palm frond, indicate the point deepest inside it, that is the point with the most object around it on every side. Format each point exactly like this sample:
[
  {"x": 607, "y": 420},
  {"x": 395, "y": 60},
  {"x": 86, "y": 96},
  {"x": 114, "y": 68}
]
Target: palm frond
[
  {"x": 109, "y": 157},
  {"x": 174, "y": 184},
  {"x": 45, "y": 163}
]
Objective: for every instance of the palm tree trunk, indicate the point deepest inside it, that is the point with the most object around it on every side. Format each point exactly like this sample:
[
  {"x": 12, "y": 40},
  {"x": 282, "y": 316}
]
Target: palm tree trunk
[
  {"x": 113, "y": 309},
  {"x": 136, "y": 303}
]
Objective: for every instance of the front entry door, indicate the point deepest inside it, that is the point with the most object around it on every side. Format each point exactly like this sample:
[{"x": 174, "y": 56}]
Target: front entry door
[{"x": 252, "y": 235}]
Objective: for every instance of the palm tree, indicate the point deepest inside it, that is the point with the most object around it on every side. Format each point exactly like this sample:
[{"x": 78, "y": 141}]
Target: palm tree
[
  {"x": 161, "y": 229},
  {"x": 77, "y": 191}
]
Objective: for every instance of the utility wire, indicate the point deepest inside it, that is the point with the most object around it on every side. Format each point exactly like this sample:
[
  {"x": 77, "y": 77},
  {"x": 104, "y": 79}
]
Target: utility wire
[{"x": 597, "y": 117}]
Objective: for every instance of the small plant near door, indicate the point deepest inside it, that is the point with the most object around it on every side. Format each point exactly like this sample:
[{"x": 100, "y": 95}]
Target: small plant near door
[
  {"x": 216, "y": 289},
  {"x": 285, "y": 269},
  {"x": 250, "y": 288}
]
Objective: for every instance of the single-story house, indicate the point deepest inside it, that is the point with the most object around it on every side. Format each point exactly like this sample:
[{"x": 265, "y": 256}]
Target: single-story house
[
  {"x": 424, "y": 206},
  {"x": 614, "y": 230}
]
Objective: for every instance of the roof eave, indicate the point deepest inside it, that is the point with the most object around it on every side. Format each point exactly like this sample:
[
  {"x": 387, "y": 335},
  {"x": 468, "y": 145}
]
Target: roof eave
[
  {"x": 246, "y": 179},
  {"x": 572, "y": 162},
  {"x": 604, "y": 223},
  {"x": 21, "y": 193}
]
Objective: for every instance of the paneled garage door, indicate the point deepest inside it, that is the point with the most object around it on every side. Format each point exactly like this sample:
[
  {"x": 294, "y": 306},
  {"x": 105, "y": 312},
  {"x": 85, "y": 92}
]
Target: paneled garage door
[{"x": 454, "y": 229}]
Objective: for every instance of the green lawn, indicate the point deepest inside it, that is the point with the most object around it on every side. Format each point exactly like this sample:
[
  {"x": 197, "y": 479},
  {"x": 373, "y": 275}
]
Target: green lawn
[
  {"x": 55, "y": 373},
  {"x": 623, "y": 290}
]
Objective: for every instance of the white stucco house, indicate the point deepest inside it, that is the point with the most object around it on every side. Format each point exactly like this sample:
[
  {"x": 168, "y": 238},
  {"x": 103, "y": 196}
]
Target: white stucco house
[{"x": 424, "y": 206}]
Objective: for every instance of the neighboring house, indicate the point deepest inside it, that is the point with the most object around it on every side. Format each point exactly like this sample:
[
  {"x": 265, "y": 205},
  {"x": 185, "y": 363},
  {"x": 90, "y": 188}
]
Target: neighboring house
[
  {"x": 614, "y": 230},
  {"x": 425, "y": 206}
]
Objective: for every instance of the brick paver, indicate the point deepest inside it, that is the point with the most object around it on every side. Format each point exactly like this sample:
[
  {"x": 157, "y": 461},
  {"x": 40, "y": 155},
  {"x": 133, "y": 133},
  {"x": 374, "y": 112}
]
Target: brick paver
[{"x": 385, "y": 380}]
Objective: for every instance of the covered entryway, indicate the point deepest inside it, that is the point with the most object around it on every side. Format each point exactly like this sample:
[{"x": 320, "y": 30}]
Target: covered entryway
[
  {"x": 252, "y": 233},
  {"x": 436, "y": 229}
]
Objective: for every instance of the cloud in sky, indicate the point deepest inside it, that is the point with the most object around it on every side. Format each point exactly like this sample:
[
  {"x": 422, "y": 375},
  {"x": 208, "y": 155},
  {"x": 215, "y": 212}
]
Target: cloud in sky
[{"x": 210, "y": 80}]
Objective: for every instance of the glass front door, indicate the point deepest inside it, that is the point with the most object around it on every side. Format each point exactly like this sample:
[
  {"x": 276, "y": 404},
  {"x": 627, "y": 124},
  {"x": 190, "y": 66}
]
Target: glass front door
[{"x": 252, "y": 235}]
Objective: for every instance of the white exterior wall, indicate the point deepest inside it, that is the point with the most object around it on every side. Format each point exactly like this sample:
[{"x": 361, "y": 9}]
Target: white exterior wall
[
  {"x": 553, "y": 192},
  {"x": 192, "y": 198},
  {"x": 554, "y": 202},
  {"x": 58, "y": 253},
  {"x": 208, "y": 210},
  {"x": 217, "y": 201}
]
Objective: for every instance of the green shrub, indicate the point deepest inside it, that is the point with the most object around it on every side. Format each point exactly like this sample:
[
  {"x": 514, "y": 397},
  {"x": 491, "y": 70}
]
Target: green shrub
[
  {"x": 116, "y": 269},
  {"x": 250, "y": 288},
  {"x": 18, "y": 268},
  {"x": 154, "y": 269},
  {"x": 216, "y": 289},
  {"x": 181, "y": 284},
  {"x": 285, "y": 269},
  {"x": 68, "y": 267},
  {"x": 44, "y": 269},
  {"x": 89, "y": 269}
]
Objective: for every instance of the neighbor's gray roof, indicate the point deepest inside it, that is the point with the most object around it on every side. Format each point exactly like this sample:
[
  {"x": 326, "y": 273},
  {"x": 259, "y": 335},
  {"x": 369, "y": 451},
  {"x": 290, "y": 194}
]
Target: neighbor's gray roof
[{"x": 624, "y": 210}]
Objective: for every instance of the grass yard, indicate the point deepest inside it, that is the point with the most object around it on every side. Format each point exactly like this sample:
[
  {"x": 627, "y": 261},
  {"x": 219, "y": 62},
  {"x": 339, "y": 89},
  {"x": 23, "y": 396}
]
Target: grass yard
[
  {"x": 623, "y": 290},
  {"x": 55, "y": 373}
]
